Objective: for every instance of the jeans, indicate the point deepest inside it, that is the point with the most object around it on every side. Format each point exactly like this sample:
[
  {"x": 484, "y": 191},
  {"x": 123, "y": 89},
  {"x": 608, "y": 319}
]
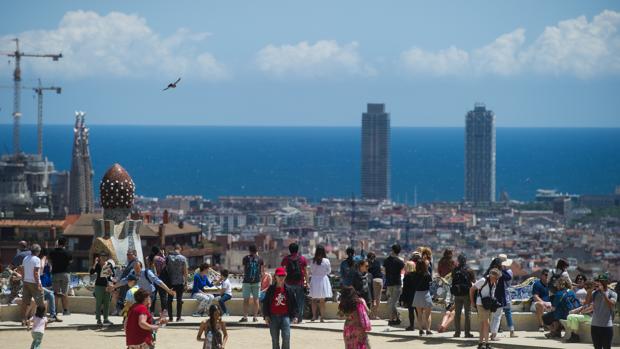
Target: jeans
[
  {"x": 48, "y": 295},
  {"x": 460, "y": 303},
  {"x": 223, "y": 299},
  {"x": 179, "y": 289},
  {"x": 277, "y": 324},
  {"x": 120, "y": 302},
  {"x": 300, "y": 297},
  {"x": 163, "y": 296},
  {"x": 102, "y": 298},
  {"x": 393, "y": 293},
  {"x": 37, "y": 338},
  {"x": 204, "y": 299},
  {"x": 601, "y": 337}
]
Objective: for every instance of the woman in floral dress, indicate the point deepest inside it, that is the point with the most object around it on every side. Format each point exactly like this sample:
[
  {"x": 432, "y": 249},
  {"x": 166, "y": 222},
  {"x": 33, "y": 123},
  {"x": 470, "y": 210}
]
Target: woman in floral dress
[{"x": 357, "y": 323}]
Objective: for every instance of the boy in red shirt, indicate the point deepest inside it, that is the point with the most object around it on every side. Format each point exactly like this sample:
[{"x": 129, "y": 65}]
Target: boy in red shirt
[
  {"x": 139, "y": 327},
  {"x": 279, "y": 310}
]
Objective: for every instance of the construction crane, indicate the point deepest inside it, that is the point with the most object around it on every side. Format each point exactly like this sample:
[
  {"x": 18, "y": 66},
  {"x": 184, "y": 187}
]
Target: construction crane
[
  {"x": 39, "y": 91},
  {"x": 17, "y": 79}
]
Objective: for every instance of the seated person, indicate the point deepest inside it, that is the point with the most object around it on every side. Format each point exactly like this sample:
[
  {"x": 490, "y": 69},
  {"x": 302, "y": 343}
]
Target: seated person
[
  {"x": 540, "y": 298},
  {"x": 564, "y": 301},
  {"x": 448, "y": 318}
]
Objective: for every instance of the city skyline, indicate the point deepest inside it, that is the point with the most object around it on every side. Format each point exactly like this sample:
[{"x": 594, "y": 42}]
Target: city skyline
[{"x": 558, "y": 68}]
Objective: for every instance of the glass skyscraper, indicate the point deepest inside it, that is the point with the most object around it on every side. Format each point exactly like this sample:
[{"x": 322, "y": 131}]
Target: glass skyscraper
[
  {"x": 480, "y": 155},
  {"x": 376, "y": 153}
]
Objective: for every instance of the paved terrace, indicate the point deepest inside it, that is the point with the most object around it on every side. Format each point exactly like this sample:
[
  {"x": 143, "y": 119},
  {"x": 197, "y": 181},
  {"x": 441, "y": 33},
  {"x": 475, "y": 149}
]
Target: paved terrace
[{"x": 82, "y": 320}]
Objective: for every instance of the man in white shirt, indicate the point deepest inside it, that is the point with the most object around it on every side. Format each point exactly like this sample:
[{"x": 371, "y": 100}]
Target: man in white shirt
[{"x": 32, "y": 281}]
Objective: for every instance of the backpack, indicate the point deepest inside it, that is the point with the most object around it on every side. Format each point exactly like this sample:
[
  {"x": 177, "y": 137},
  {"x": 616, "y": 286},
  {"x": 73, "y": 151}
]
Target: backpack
[
  {"x": 460, "y": 282},
  {"x": 164, "y": 275},
  {"x": 252, "y": 270},
  {"x": 552, "y": 281},
  {"x": 293, "y": 269}
]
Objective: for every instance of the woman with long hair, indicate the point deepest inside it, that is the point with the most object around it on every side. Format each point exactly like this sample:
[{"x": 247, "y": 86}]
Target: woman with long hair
[
  {"x": 422, "y": 299},
  {"x": 214, "y": 329},
  {"x": 320, "y": 287},
  {"x": 357, "y": 323}
]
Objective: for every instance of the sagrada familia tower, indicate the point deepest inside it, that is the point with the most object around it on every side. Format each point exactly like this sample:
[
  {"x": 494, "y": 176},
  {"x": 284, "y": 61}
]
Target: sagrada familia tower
[{"x": 81, "y": 179}]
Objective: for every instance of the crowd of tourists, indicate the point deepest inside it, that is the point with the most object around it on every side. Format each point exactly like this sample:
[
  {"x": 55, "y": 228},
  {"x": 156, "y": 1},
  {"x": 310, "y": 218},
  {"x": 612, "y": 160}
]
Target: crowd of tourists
[{"x": 558, "y": 303}]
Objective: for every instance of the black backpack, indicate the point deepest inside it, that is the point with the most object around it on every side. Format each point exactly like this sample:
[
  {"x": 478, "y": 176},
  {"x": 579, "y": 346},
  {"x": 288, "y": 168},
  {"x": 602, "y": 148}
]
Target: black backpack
[
  {"x": 293, "y": 269},
  {"x": 460, "y": 282},
  {"x": 163, "y": 275}
]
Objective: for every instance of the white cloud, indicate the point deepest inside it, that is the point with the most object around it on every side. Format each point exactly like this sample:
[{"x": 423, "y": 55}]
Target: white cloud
[
  {"x": 572, "y": 47},
  {"x": 117, "y": 44},
  {"x": 324, "y": 58}
]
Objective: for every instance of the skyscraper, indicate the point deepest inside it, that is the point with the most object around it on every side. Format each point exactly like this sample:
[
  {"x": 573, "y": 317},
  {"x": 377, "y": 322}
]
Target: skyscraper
[
  {"x": 81, "y": 177},
  {"x": 480, "y": 155},
  {"x": 376, "y": 153}
]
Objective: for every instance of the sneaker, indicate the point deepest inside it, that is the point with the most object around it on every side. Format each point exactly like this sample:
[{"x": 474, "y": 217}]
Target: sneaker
[
  {"x": 244, "y": 319},
  {"x": 397, "y": 322},
  {"x": 66, "y": 313},
  {"x": 421, "y": 333},
  {"x": 469, "y": 335},
  {"x": 226, "y": 314},
  {"x": 180, "y": 319},
  {"x": 488, "y": 346},
  {"x": 196, "y": 314},
  {"x": 107, "y": 322},
  {"x": 409, "y": 328},
  {"x": 99, "y": 323},
  {"x": 428, "y": 333},
  {"x": 56, "y": 319},
  {"x": 480, "y": 345},
  {"x": 456, "y": 334},
  {"x": 513, "y": 334},
  {"x": 541, "y": 329}
]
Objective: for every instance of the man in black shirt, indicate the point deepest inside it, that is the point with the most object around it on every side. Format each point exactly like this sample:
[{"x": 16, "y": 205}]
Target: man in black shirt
[
  {"x": 60, "y": 259},
  {"x": 393, "y": 266}
]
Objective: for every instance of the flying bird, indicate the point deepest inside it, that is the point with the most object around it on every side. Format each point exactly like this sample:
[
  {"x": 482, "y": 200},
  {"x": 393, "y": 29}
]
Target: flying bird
[{"x": 172, "y": 84}]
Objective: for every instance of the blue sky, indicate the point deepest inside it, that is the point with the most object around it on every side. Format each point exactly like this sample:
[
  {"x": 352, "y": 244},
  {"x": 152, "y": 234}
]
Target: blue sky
[{"x": 302, "y": 63}]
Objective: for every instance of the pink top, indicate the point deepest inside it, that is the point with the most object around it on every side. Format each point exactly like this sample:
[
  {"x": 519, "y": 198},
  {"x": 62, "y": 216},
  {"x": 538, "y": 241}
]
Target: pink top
[{"x": 38, "y": 324}]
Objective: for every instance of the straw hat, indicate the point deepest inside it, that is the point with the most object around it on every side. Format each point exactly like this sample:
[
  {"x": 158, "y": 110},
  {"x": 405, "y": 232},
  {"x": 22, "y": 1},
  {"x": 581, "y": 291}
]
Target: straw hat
[{"x": 505, "y": 261}]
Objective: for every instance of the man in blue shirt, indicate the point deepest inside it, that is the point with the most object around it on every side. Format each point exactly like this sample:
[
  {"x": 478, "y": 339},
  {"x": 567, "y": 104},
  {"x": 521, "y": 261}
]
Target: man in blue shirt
[
  {"x": 540, "y": 298},
  {"x": 200, "y": 282}
]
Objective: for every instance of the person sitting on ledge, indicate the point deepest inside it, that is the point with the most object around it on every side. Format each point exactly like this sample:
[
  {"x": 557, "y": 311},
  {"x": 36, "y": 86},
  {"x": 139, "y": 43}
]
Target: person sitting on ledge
[
  {"x": 540, "y": 298},
  {"x": 564, "y": 301}
]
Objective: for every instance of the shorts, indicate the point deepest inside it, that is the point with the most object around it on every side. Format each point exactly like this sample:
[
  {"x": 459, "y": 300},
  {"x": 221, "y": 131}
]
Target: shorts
[
  {"x": 484, "y": 314},
  {"x": 377, "y": 287},
  {"x": 60, "y": 283},
  {"x": 250, "y": 289},
  {"x": 31, "y": 290},
  {"x": 546, "y": 306}
]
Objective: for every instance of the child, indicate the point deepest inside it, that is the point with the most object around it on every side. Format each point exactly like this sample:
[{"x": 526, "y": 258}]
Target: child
[
  {"x": 129, "y": 299},
  {"x": 214, "y": 329},
  {"x": 226, "y": 292},
  {"x": 357, "y": 323},
  {"x": 39, "y": 324}
]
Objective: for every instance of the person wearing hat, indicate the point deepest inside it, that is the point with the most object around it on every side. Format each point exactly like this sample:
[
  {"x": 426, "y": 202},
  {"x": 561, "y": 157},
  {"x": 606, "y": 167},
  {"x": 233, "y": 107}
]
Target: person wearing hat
[
  {"x": 503, "y": 294},
  {"x": 280, "y": 309},
  {"x": 132, "y": 284},
  {"x": 103, "y": 268},
  {"x": 604, "y": 301}
]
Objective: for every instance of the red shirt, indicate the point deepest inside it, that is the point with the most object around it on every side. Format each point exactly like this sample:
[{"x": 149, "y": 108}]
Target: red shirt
[
  {"x": 279, "y": 306},
  {"x": 134, "y": 333}
]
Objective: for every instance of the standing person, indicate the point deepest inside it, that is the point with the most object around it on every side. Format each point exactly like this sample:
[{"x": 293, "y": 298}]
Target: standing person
[
  {"x": 22, "y": 252},
  {"x": 422, "y": 300},
  {"x": 253, "y": 268},
  {"x": 604, "y": 301},
  {"x": 177, "y": 273},
  {"x": 279, "y": 310},
  {"x": 39, "y": 324},
  {"x": 60, "y": 260},
  {"x": 462, "y": 280},
  {"x": 503, "y": 296},
  {"x": 347, "y": 268},
  {"x": 393, "y": 266},
  {"x": 374, "y": 268},
  {"x": 104, "y": 270},
  {"x": 409, "y": 287},
  {"x": 320, "y": 287},
  {"x": 540, "y": 298},
  {"x": 46, "y": 282},
  {"x": 446, "y": 263},
  {"x": 32, "y": 282},
  {"x": 214, "y": 329},
  {"x": 427, "y": 255},
  {"x": 201, "y": 280},
  {"x": 362, "y": 281},
  {"x": 131, "y": 260},
  {"x": 357, "y": 323},
  {"x": 265, "y": 281},
  {"x": 296, "y": 277},
  {"x": 157, "y": 263},
  {"x": 139, "y": 327},
  {"x": 485, "y": 303},
  {"x": 132, "y": 285},
  {"x": 226, "y": 294}
]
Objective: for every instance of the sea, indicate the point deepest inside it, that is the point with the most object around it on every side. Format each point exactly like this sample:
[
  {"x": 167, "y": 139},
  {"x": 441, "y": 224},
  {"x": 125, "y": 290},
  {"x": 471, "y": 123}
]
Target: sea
[{"x": 427, "y": 164}]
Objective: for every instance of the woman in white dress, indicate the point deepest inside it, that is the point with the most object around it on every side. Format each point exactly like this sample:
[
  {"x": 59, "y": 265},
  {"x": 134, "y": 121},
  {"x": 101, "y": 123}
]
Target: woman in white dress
[{"x": 320, "y": 287}]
